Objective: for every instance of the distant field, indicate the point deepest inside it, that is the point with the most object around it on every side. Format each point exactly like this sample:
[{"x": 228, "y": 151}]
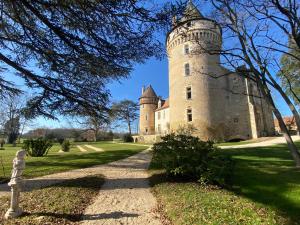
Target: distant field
[{"x": 56, "y": 161}]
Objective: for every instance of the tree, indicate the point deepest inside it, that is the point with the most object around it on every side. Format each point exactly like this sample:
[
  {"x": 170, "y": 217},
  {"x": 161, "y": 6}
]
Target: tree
[
  {"x": 96, "y": 122},
  {"x": 290, "y": 73},
  {"x": 246, "y": 42},
  {"x": 13, "y": 116},
  {"x": 12, "y": 129},
  {"x": 77, "y": 47},
  {"x": 125, "y": 111}
]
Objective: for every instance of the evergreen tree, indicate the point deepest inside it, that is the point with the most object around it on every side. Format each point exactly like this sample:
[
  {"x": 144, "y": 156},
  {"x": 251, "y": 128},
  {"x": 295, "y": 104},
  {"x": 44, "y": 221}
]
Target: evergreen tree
[{"x": 76, "y": 47}]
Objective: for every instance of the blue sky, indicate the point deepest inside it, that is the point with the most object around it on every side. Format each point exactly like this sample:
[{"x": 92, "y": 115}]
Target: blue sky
[{"x": 153, "y": 71}]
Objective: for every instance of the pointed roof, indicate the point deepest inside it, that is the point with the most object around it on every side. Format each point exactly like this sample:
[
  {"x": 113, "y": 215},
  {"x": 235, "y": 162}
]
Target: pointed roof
[
  {"x": 149, "y": 93},
  {"x": 165, "y": 104},
  {"x": 191, "y": 12}
]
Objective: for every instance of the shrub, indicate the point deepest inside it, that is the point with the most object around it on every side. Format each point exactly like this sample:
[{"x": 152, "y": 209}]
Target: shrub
[
  {"x": 127, "y": 138},
  {"x": 38, "y": 147},
  {"x": 65, "y": 146},
  {"x": 60, "y": 140},
  {"x": 186, "y": 157}
]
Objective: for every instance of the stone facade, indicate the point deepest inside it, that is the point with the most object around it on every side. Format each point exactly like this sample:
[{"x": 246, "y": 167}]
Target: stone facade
[{"x": 220, "y": 104}]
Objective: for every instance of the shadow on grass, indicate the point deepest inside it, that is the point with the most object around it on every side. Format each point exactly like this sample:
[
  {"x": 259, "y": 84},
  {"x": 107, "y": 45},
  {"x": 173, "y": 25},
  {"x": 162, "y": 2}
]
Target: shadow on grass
[
  {"x": 79, "y": 217},
  {"x": 265, "y": 175},
  {"x": 58, "y": 163}
]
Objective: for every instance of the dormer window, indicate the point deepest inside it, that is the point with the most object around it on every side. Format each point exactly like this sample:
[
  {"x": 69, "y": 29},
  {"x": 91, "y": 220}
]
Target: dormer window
[{"x": 189, "y": 24}]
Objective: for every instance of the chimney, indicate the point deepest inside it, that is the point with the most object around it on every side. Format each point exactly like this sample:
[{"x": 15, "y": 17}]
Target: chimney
[{"x": 159, "y": 102}]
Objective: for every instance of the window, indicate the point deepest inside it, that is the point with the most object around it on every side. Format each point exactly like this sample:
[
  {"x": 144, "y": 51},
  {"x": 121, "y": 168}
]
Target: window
[
  {"x": 159, "y": 128},
  {"x": 158, "y": 115},
  {"x": 186, "y": 49},
  {"x": 188, "y": 93},
  {"x": 189, "y": 24},
  {"x": 147, "y": 116},
  {"x": 189, "y": 115},
  {"x": 236, "y": 120},
  {"x": 146, "y": 129},
  {"x": 187, "y": 71}
]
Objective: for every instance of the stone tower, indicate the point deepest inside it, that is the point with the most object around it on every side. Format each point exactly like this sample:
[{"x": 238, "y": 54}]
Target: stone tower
[
  {"x": 196, "y": 96},
  {"x": 148, "y": 105}
]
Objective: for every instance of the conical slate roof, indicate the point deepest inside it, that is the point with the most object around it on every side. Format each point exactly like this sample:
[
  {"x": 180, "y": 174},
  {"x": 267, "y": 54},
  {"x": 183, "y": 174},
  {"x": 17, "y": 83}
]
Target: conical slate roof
[
  {"x": 149, "y": 93},
  {"x": 191, "y": 12}
]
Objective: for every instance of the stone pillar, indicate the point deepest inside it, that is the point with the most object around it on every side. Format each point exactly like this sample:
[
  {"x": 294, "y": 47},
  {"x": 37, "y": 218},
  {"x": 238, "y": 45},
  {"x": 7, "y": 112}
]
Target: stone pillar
[{"x": 16, "y": 184}]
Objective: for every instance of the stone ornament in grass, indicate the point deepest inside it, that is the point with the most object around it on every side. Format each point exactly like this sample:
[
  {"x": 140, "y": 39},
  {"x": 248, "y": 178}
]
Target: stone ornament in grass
[{"x": 16, "y": 184}]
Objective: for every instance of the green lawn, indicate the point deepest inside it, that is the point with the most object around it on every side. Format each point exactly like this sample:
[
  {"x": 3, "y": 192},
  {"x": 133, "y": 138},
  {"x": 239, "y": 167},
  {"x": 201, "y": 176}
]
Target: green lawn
[
  {"x": 266, "y": 191},
  {"x": 56, "y": 161},
  {"x": 63, "y": 203}
]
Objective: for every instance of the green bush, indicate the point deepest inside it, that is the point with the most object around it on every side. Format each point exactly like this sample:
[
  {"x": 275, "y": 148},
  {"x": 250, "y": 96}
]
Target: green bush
[
  {"x": 60, "y": 140},
  {"x": 65, "y": 146},
  {"x": 38, "y": 147},
  {"x": 127, "y": 138},
  {"x": 186, "y": 157}
]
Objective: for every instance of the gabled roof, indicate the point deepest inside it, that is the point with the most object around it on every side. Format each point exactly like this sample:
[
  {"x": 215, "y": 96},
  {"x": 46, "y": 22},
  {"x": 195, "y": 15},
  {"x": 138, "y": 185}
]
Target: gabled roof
[
  {"x": 149, "y": 93},
  {"x": 165, "y": 104},
  {"x": 191, "y": 12}
]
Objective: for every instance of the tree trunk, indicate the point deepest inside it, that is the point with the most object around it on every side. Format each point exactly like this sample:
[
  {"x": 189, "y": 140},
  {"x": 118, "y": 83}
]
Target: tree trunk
[
  {"x": 288, "y": 102},
  {"x": 292, "y": 108},
  {"x": 129, "y": 127},
  {"x": 291, "y": 145}
]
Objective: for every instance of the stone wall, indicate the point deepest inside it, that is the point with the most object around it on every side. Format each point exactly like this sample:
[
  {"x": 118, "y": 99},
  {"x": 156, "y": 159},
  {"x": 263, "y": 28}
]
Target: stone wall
[
  {"x": 162, "y": 121},
  {"x": 149, "y": 139}
]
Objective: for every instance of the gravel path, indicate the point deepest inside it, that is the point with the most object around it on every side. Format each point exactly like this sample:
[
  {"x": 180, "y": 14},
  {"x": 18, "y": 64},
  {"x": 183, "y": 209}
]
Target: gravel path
[
  {"x": 94, "y": 148},
  {"x": 125, "y": 197},
  {"x": 274, "y": 141},
  {"x": 81, "y": 148}
]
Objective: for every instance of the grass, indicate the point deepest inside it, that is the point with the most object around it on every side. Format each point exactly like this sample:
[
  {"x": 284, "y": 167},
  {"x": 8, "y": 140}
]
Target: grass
[
  {"x": 57, "y": 162},
  {"x": 63, "y": 203},
  {"x": 266, "y": 191}
]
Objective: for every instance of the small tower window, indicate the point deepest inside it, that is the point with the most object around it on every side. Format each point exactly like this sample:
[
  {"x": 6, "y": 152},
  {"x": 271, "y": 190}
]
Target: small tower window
[
  {"x": 187, "y": 71},
  {"x": 147, "y": 116},
  {"x": 186, "y": 49},
  {"x": 146, "y": 129},
  {"x": 189, "y": 115},
  {"x": 189, "y": 93}
]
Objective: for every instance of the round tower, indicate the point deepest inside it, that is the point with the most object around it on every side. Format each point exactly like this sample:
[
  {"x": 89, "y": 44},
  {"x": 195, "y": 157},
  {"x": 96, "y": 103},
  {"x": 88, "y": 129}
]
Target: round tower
[
  {"x": 148, "y": 105},
  {"x": 195, "y": 96}
]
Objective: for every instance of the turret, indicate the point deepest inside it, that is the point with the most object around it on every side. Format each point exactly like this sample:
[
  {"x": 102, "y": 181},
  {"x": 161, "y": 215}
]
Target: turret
[
  {"x": 148, "y": 105},
  {"x": 193, "y": 96}
]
